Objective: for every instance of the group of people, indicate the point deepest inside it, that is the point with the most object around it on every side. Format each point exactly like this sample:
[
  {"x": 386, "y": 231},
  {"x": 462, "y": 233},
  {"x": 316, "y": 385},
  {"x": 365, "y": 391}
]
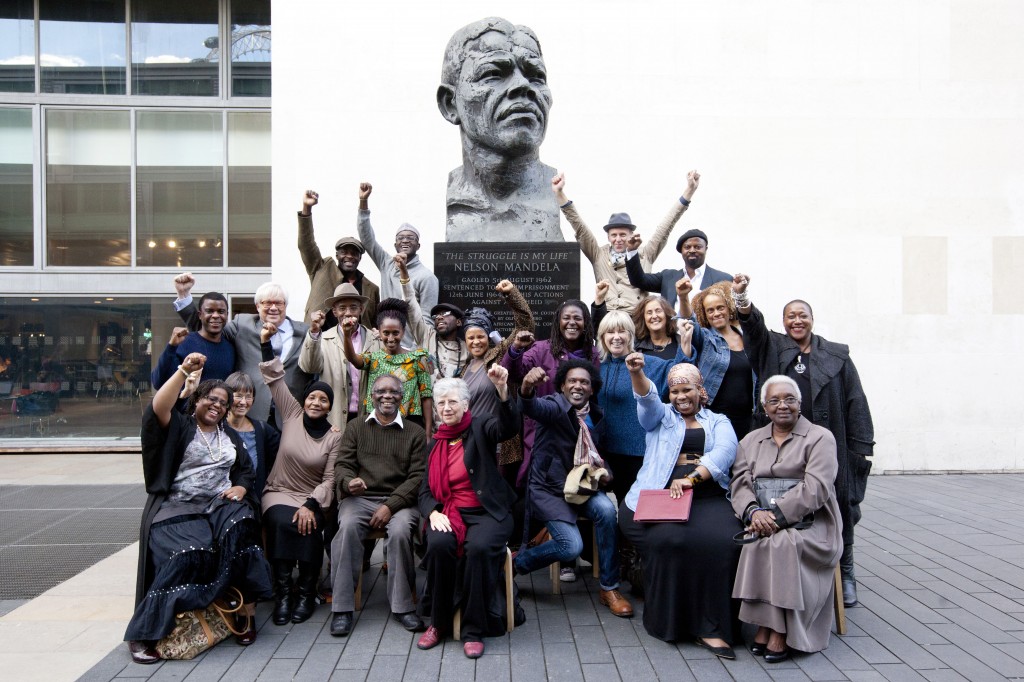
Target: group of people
[{"x": 273, "y": 443}]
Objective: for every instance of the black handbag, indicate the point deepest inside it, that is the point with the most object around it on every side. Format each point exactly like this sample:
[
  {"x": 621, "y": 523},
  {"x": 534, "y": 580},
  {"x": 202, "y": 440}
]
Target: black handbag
[{"x": 767, "y": 491}]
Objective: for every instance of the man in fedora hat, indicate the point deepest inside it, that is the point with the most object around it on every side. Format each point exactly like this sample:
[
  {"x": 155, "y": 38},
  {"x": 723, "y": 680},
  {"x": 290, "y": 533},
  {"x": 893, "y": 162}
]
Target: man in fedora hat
[
  {"x": 325, "y": 275},
  {"x": 444, "y": 340},
  {"x": 323, "y": 352},
  {"x": 693, "y": 247},
  {"x": 609, "y": 260}
]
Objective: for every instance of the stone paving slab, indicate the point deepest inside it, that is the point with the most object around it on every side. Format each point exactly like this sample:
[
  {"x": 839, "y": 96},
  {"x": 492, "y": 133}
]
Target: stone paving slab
[{"x": 941, "y": 563}]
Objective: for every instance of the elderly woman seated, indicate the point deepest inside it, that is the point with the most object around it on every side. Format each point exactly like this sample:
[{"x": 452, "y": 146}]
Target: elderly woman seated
[
  {"x": 468, "y": 507},
  {"x": 785, "y": 574}
]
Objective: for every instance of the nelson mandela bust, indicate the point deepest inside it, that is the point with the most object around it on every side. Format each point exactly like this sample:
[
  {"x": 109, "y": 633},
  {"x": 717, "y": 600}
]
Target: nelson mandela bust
[{"x": 494, "y": 87}]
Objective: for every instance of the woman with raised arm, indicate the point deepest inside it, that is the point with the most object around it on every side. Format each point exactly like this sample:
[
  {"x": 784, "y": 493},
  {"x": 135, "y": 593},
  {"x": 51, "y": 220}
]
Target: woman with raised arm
[
  {"x": 200, "y": 528},
  {"x": 832, "y": 397},
  {"x": 468, "y": 507},
  {"x": 300, "y": 487},
  {"x": 655, "y": 330}
]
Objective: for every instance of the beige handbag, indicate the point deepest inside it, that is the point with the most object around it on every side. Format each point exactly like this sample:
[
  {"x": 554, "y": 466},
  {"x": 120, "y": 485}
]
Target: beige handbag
[{"x": 197, "y": 630}]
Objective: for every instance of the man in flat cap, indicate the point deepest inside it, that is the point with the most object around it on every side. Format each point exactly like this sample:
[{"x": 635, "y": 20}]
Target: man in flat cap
[
  {"x": 407, "y": 241},
  {"x": 693, "y": 247},
  {"x": 609, "y": 260},
  {"x": 325, "y": 275}
]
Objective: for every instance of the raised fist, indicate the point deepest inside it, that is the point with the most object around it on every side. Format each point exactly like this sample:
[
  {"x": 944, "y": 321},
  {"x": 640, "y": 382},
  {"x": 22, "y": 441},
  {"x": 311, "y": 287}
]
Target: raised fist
[
  {"x": 365, "y": 189},
  {"x": 634, "y": 242},
  {"x": 535, "y": 376},
  {"x": 309, "y": 200},
  {"x": 635, "y": 362},
  {"x": 316, "y": 321},
  {"x": 178, "y": 335},
  {"x": 183, "y": 284},
  {"x": 684, "y": 287},
  {"x": 268, "y": 331},
  {"x": 504, "y": 287},
  {"x": 523, "y": 340},
  {"x": 558, "y": 183},
  {"x": 498, "y": 375},
  {"x": 739, "y": 283}
]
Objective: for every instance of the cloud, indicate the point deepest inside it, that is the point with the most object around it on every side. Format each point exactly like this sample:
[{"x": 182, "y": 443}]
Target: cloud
[
  {"x": 60, "y": 60},
  {"x": 20, "y": 60},
  {"x": 167, "y": 59}
]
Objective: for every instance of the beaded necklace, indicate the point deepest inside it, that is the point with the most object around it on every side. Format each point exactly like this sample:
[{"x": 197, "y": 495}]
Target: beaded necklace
[{"x": 215, "y": 456}]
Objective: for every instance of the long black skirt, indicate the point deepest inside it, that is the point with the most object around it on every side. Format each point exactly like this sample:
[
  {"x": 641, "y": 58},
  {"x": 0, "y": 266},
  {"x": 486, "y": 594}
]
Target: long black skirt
[
  {"x": 689, "y": 568},
  {"x": 284, "y": 543},
  {"x": 195, "y": 557}
]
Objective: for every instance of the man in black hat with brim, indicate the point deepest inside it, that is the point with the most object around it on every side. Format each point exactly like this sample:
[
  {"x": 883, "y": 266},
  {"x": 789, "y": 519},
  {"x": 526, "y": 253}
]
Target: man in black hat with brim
[{"x": 693, "y": 247}]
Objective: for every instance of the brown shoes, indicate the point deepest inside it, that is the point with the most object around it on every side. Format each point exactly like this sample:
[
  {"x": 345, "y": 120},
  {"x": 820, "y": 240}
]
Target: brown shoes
[{"x": 616, "y": 603}]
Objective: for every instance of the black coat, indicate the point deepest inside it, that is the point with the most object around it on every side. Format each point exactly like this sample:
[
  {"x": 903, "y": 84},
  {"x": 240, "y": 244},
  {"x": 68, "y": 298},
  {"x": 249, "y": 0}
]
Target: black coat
[
  {"x": 664, "y": 282},
  {"x": 162, "y": 452},
  {"x": 480, "y": 449},
  {"x": 551, "y": 460},
  {"x": 837, "y": 402},
  {"x": 268, "y": 438}
]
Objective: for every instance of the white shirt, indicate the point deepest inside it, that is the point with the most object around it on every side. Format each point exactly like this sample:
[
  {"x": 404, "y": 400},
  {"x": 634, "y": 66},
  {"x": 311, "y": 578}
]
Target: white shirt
[
  {"x": 697, "y": 280},
  {"x": 398, "y": 419}
]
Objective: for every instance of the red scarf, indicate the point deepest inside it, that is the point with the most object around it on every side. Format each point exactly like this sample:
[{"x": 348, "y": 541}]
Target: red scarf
[{"x": 440, "y": 482}]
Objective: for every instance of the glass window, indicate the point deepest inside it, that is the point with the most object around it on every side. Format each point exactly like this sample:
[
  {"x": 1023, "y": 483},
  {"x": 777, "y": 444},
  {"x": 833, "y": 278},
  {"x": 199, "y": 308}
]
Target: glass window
[
  {"x": 77, "y": 368},
  {"x": 88, "y": 200},
  {"x": 179, "y": 188},
  {"x": 250, "y": 48},
  {"x": 82, "y": 46},
  {"x": 248, "y": 189},
  {"x": 174, "y": 47},
  {"x": 16, "y": 187},
  {"x": 17, "y": 46}
]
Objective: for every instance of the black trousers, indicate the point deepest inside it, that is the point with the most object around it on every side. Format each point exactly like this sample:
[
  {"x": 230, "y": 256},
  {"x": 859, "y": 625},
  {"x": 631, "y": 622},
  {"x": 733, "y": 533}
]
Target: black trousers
[{"x": 469, "y": 582}]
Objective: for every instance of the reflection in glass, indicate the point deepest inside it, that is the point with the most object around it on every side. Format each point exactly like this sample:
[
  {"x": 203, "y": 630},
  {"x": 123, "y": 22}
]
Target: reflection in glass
[
  {"x": 250, "y": 48},
  {"x": 179, "y": 188},
  {"x": 88, "y": 158},
  {"x": 76, "y": 368},
  {"x": 248, "y": 189},
  {"x": 17, "y": 46},
  {"x": 15, "y": 187},
  {"x": 82, "y": 46},
  {"x": 174, "y": 48}
]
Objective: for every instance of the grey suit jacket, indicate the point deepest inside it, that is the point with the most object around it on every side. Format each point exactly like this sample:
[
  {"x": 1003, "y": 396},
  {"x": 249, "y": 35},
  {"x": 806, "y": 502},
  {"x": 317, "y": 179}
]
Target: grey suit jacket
[{"x": 244, "y": 332}]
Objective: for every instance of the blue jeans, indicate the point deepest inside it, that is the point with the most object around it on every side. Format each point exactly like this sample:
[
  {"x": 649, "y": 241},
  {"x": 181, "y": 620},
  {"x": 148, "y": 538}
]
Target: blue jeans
[{"x": 566, "y": 543}]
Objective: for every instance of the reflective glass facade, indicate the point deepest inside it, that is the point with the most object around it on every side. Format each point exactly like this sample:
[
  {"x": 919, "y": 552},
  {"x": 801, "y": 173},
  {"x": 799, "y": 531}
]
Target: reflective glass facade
[{"x": 132, "y": 147}]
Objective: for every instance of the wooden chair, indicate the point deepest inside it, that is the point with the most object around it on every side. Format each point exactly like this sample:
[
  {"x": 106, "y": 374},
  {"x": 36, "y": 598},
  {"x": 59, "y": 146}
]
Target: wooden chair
[
  {"x": 510, "y": 615},
  {"x": 371, "y": 535},
  {"x": 556, "y": 583},
  {"x": 840, "y": 607}
]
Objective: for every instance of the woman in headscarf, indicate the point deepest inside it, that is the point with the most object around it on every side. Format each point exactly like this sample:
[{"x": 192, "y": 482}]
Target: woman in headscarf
[
  {"x": 200, "y": 530},
  {"x": 688, "y": 567},
  {"x": 299, "y": 488},
  {"x": 468, "y": 508}
]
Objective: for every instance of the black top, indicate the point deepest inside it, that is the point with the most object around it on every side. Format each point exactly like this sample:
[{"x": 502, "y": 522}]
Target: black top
[
  {"x": 803, "y": 382},
  {"x": 735, "y": 395},
  {"x": 667, "y": 353},
  {"x": 693, "y": 442}
]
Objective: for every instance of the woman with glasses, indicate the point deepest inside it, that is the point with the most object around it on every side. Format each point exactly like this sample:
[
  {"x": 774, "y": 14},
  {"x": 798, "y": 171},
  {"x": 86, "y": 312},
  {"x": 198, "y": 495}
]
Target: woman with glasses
[
  {"x": 785, "y": 574},
  {"x": 200, "y": 529},
  {"x": 300, "y": 487},
  {"x": 833, "y": 398}
]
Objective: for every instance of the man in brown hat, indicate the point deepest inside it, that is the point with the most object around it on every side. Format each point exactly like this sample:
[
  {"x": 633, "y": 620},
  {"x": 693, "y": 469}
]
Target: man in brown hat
[
  {"x": 323, "y": 352},
  {"x": 609, "y": 260},
  {"x": 325, "y": 275}
]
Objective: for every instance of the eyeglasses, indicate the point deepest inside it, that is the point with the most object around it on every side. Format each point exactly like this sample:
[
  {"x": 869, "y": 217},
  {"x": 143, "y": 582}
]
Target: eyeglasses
[
  {"x": 406, "y": 238},
  {"x": 272, "y": 304},
  {"x": 441, "y": 316},
  {"x": 216, "y": 401},
  {"x": 775, "y": 402},
  {"x": 387, "y": 391}
]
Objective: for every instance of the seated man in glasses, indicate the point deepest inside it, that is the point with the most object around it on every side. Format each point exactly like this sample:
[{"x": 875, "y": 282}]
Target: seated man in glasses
[{"x": 244, "y": 332}]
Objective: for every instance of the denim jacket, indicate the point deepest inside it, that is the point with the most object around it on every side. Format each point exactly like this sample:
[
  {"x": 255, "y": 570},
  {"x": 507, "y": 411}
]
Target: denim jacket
[
  {"x": 665, "y": 431},
  {"x": 712, "y": 358}
]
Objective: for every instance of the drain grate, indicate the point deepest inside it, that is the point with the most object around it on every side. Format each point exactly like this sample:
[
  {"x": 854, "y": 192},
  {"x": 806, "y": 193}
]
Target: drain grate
[{"x": 49, "y": 533}]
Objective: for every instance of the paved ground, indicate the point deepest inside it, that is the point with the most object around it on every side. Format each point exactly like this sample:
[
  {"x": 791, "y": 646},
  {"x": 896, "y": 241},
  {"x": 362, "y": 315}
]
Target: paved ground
[{"x": 941, "y": 567}]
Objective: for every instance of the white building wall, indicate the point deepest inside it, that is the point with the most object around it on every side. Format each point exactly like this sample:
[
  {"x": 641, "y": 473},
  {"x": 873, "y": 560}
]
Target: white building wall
[{"x": 867, "y": 156}]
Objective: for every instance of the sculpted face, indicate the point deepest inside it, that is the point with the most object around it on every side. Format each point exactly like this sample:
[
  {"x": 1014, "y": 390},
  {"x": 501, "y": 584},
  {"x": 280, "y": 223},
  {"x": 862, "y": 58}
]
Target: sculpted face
[{"x": 502, "y": 98}]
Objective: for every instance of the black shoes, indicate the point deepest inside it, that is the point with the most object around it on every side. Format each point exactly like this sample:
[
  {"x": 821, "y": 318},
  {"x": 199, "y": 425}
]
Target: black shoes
[
  {"x": 341, "y": 624},
  {"x": 282, "y": 592},
  {"x": 143, "y": 653},
  {"x": 410, "y": 621},
  {"x": 305, "y": 603},
  {"x": 725, "y": 652},
  {"x": 758, "y": 648},
  {"x": 776, "y": 656},
  {"x": 849, "y": 591}
]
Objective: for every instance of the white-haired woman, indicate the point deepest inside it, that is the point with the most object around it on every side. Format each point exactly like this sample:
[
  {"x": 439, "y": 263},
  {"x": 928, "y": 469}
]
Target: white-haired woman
[
  {"x": 784, "y": 578},
  {"x": 468, "y": 506}
]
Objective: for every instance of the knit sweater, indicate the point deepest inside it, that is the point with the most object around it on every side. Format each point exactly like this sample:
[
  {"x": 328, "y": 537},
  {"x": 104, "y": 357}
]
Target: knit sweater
[
  {"x": 626, "y": 436},
  {"x": 220, "y": 359},
  {"x": 391, "y": 460}
]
